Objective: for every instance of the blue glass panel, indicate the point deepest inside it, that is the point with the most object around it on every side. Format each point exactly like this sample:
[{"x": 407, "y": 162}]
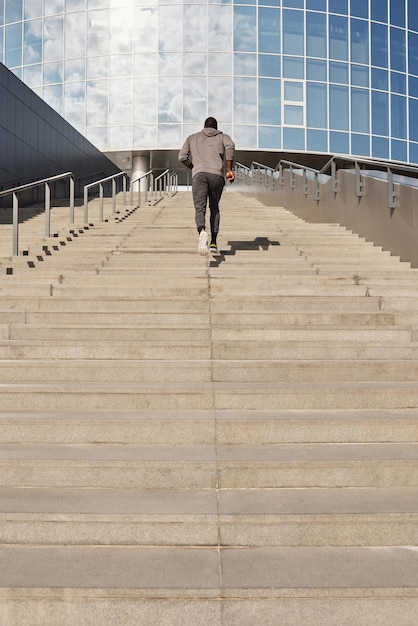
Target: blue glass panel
[
  {"x": 338, "y": 6},
  {"x": 13, "y": 48},
  {"x": 53, "y": 96},
  {"x": 293, "y": 91},
  {"x": 380, "y": 79},
  {"x": 269, "y": 138},
  {"x": 359, "y": 8},
  {"x": 316, "y": 70},
  {"x": 412, "y": 16},
  {"x": 1, "y": 44},
  {"x": 1, "y": 15},
  {"x": 293, "y": 139},
  {"x": 398, "y": 82},
  {"x": 269, "y": 65},
  {"x": 245, "y": 136},
  {"x": 398, "y": 116},
  {"x": 379, "y": 45},
  {"x": 33, "y": 42},
  {"x": 339, "y": 143},
  {"x": 359, "y": 75},
  {"x": 413, "y": 53},
  {"x": 397, "y": 12},
  {"x": 269, "y": 101},
  {"x": 360, "y": 122},
  {"x": 13, "y": 11},
  {"x": 380, "y": 113},
  {"x": 316, "y": 105},
  {"x": 293, "y": 4},
  {"x": 245, "y": 29},
  {"x": 338, "y": 73},
  {"x": 316, "y": 35},
  {"x": 316, "y": 5},
  {"x": 400, "y": 152},
  {"x": 293, "y": 115},
  {"x": 360, "y": 144},
  {"x": 244, "y": 64},
  {"x": 317, "y": 141},
  {"x": 338, "y": 103},
  {"x": 53, "y": 73},
  {"x": 293, "y": 32},
  {"x": 379, "y": 11},
  {"x": 359, "y": 41},
  {"x": 397, "y": 49},
  {"x": 413, "y": 87},
  {"x": 413, "y": 153},
  {"x": 32, "y": 8},
  {"x": 413, "y": 117},
  {"x": 380, "y": 148},
  {"x": 269, "y": 30},
  {"x": 338, "y": 38},
  {"x": 293, "y": 67},
  {"x": 245, "y": 99}
]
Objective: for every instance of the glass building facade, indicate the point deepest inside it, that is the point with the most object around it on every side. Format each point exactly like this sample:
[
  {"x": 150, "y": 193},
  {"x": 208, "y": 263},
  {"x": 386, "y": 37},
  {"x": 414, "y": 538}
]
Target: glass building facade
[{"x": 321, "y": 76}]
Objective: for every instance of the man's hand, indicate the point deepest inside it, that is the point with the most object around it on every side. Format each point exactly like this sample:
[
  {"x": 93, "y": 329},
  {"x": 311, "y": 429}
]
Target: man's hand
[{"x": 230, "y": 176}]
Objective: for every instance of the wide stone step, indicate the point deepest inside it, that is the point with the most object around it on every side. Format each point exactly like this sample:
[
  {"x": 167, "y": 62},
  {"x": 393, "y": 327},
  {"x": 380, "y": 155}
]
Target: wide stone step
[
  {"x": 149, "y": 332},
  {"x": 192, "y": 427},
  {"x": 108, "y": 332},
  {"x": 315, "y": 350},
  {"x": 47, "y": 370},
  {"x": 131, "y": 466},
  {"x": 190, "y": 350},
  {"x": 200, "y": 396},
  {"x": 272, "y": 517}
]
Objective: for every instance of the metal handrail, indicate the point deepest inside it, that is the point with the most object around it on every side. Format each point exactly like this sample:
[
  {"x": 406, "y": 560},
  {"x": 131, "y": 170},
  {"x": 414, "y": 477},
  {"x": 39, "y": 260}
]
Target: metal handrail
[
  {"x": 46, "y": 182},
  {"x": 150, "y": 183},
  {"x": 261, "y": 173},
  {"x": 100, "y": 185},
  {"x": 164, "y": 183}
]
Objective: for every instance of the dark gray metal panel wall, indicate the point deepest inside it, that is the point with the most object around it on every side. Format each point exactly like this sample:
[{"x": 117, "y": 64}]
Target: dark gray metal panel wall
[{"x": 36, "y": 142}]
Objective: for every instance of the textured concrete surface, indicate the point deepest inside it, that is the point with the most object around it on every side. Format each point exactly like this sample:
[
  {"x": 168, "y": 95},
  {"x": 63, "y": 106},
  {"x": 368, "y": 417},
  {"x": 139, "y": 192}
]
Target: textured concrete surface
[{"x": 221, "y": 440}]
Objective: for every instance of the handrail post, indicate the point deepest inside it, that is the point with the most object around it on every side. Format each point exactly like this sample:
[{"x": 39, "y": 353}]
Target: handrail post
[
  {"x": 86, "y": 205},
  {"x": 316, "y": 186},
  {"x": 305, "y": 182},
  {"x": 359, "y": 182},
  {"x": 47, "y": 210},
  {"x": 101, "y": 201},
  {"x": 71, "y": 200},
  {"x": 15, "y": 225},
  {"x": 334, "y": 179},
  {"x": 391, "y": 190},
  {"x": 292, "y": 178},
  {"x": 113, "y": 196},
  {"x": 281, "y": 177},
  {"x": 124, "y": 189}
]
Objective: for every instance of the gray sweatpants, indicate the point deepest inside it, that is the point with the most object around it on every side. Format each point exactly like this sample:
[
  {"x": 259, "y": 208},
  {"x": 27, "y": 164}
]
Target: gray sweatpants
[{"x": 204, "y": 187}]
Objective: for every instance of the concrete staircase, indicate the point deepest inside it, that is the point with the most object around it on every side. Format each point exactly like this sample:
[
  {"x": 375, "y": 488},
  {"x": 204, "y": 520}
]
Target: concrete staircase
[{"x": 226, "y": 440}]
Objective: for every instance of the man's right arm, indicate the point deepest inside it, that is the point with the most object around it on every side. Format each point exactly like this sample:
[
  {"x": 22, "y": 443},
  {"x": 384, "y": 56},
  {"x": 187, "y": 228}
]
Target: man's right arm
[{"x": 184, "y": 155}]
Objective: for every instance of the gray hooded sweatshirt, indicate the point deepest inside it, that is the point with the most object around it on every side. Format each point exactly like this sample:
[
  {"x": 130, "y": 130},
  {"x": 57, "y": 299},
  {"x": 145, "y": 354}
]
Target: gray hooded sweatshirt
[{"x": 206, "y": 150}]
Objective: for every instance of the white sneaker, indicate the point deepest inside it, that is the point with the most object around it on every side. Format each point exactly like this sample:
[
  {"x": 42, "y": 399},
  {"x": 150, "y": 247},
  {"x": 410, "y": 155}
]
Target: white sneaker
[{"x": 202, "y": 246}]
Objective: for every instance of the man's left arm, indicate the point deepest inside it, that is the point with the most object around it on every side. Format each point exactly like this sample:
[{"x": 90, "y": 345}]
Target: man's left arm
[{"x": 229, "y": 147}]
